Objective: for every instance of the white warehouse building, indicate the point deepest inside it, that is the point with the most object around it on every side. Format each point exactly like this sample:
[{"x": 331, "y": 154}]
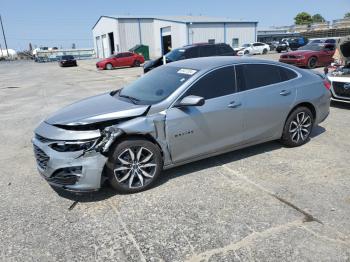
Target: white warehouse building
[{"x": 112, "y": 34}]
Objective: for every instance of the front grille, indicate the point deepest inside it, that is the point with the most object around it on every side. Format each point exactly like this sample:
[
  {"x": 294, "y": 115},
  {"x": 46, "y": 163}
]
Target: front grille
[
  {"x": 66, "y": 176},
  {"x": 288, "y": 56},
  {"x": 340, "y": 90},
  {"x": 66, "y": 180},
  {"x": 41, "y": 158},
  {"x": 43, "y": 139}
]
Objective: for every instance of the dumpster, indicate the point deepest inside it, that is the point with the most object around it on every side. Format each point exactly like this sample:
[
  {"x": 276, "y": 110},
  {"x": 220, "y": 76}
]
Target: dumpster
[{"x": 141, "y": 50}]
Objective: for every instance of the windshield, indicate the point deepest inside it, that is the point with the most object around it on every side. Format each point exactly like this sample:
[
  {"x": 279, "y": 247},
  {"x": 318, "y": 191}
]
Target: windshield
[
  {"x": 311, "y": 47},
  {"x": 246, "y": 45},
  {"x": 156, "y": 85},
  {"x": 175, "y": 55}
]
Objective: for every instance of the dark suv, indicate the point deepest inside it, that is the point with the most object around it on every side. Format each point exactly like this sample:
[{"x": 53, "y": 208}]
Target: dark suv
[
  {"x": 191, "y": 51},
  {"x": 291, "y": 44}
]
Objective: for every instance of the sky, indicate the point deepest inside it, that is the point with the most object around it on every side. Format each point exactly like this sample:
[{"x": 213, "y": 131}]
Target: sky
[{"x": 63, "y": 22}]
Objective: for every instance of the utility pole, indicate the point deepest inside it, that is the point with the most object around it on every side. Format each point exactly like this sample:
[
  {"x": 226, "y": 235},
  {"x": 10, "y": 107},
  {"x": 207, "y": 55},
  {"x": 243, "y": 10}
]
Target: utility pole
[
  {"x": 3, "y": 33},
  {"x": 1, "y": 51}
]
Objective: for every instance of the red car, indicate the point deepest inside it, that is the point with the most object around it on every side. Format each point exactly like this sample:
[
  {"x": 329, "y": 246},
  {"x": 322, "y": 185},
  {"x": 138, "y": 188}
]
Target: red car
[
  {"x": 310, "y": 56},
  {"x": 121, "y": 60}
]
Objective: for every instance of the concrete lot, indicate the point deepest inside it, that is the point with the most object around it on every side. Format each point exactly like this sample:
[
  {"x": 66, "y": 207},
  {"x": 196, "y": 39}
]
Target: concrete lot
[{"x": 263, "y": 203}]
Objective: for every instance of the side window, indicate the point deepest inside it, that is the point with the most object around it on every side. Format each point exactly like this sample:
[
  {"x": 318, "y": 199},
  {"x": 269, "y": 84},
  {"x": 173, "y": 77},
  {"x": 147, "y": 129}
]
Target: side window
[
  {"x": 192, "y": 52},
  {"x": 287, "y": 74},
  {"x": 207, "y": 51},
  {"x": 218, "y": 83},
  {"x": 224, "y": 50},
  {"x": 252, "y": 76}
]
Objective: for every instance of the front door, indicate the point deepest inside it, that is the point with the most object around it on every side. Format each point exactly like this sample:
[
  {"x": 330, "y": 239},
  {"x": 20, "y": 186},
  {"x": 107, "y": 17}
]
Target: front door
[{"x": 199, "y": 130}]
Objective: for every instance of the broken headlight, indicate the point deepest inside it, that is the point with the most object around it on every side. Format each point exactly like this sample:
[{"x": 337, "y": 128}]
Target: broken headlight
[{"x": 72, "y": 146}]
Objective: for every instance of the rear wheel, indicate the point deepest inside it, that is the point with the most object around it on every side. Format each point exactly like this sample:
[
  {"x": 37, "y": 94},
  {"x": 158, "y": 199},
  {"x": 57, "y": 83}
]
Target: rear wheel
[
  {"x": 134, "y": 165},
  {"x": 109, "y": 66},
  {"x": 312, "y": 62},
  {"x": 264, "y": 51},
  {"x": 137, "y": 63},
  {"x": 298, "y": 127}
]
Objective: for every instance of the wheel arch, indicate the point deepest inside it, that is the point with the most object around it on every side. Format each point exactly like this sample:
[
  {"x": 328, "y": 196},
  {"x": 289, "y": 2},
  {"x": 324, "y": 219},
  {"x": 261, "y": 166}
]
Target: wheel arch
[{"x": 308, "y": 105}]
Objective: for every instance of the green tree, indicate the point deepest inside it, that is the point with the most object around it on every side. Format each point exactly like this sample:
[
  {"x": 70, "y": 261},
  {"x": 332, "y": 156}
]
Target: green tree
[
  {"x": 317, "y": 18},
  {"x": 303, "y": 18},
  {"x": 347, "y": 15}
]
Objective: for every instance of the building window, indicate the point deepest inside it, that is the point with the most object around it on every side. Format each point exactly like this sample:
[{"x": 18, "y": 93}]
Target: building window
[
  {"x": 211, "y": 41},
  {"x": 235, "y": 42}
]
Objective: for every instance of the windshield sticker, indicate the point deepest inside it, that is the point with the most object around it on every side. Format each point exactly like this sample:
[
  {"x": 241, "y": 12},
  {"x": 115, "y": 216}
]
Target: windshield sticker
[{"x": 185, "y": 71}]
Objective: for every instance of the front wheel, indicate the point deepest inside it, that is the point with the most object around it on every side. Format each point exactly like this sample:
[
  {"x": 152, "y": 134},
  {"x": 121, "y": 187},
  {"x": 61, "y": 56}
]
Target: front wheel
[
  {"x": 109, "y": 67},
  {"x": 298, "y": 127},
  {"x": 134, "y": 165},
  {"x": 264, "y": 51}
]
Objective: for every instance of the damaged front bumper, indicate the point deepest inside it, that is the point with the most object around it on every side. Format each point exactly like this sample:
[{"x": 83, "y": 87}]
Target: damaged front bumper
[{"x": 75, "y": 170}]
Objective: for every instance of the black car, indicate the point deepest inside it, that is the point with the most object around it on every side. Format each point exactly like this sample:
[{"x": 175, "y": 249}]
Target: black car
[
  {"x": 191, "y": 51},
  {"x": 291, "y": 44},
  {"x": 67, "y": 60}
]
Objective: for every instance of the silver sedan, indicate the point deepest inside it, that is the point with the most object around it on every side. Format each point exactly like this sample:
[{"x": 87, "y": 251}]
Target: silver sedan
[{"x": 175, "y": 114}]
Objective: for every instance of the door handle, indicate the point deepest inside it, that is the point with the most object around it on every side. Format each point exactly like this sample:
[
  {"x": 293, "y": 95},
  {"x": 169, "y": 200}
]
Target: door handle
[
  {"x": 234, "y": 104},
  {"x": 285, "y": 92}
]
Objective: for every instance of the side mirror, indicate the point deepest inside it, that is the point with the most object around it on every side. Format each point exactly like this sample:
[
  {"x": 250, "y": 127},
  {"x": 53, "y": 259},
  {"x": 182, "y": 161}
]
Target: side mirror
[{"x": 191, "y": 101}]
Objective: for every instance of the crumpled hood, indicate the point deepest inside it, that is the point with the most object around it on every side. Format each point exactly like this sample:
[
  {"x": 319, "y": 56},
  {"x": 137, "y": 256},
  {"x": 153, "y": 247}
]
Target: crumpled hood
[
  {"x": 96, "y": 109},
  {"x": 343, "y": 45}
]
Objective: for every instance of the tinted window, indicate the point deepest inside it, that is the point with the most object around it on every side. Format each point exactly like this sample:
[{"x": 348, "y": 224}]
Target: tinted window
[
  {"x": 175, "y": 54},
  {"x": 192, "y": 52},
  {"x": 224, "y": 50},
  {"x": 157, "y": 85},
  {"x": 207, "y": 51},
  {"x": 221, "y": 82},
  {"x": 251, "y": 76},
  {"x": 287, "y": 74}
]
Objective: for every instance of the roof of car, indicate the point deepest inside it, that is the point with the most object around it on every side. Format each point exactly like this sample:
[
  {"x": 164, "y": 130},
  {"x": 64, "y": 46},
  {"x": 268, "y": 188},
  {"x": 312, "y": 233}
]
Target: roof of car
[{"x": 207, "y": 63}]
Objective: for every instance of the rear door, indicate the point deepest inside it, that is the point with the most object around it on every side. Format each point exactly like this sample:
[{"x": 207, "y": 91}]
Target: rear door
[
  {"x": 326, "y": 55},
  {"x": 267, "y": 93},
  {"x": 126, "y": 59},
  {"x": 196, "y": 131}
]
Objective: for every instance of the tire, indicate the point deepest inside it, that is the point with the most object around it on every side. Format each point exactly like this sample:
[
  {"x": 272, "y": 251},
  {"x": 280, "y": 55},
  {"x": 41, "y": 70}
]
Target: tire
[
  {"x": 137, "y": 63},
  {"x": 246, "y": 52},
  {"x": 312, "y": 62},
  {"x": 264, "y": 51},
  {"x": 278, "y": 51},
  {"x": 298, "y": 127},
  {"x": 109, "y": 66},
  {"x": 130, "y": 176}
]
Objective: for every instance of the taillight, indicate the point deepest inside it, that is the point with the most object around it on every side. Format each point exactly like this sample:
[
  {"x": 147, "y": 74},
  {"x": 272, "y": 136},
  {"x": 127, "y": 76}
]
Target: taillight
[{"x": 327, "y": 84}]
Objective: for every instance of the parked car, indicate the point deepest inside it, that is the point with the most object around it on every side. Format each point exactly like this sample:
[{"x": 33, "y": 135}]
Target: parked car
[
  {"x": 310, "y": 56},
  {"x": 339, "y": 77},
  {"x": 273, "y": 45},
  {"x": 253, "y": 49},
  {"x": 191, "y": 51},
  {"x": 324, "y": 40},
  {"x": 67, "y": 60},
  {"x": 175, "y": 114},
  {"x": 291, "y": 44},
  {"x": 121, "y": 60}
]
